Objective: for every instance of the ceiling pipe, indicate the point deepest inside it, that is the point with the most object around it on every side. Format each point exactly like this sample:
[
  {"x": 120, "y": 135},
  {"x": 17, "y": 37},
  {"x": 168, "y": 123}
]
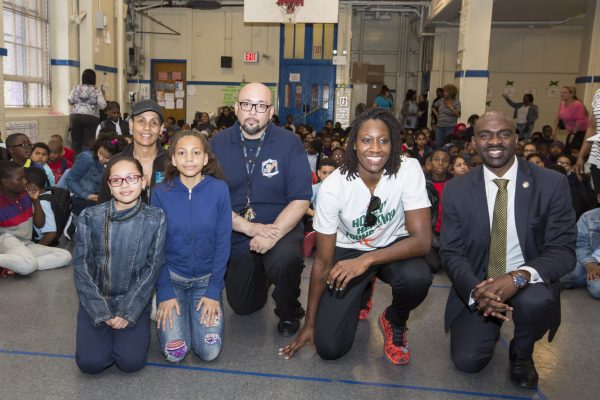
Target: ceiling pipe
[{"x": 513, "y": 23}]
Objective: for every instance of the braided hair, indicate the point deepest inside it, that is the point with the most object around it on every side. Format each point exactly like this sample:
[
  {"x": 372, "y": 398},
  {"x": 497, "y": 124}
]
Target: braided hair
[{"x": 349, "y": 164}]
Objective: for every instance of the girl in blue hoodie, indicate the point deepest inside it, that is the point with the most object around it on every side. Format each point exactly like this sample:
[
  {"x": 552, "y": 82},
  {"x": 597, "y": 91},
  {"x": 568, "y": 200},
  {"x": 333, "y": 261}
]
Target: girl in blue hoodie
[{"x": 196, "y": 202}]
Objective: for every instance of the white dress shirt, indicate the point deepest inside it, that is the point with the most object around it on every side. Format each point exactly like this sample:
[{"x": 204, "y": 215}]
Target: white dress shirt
[{"x": 514, "y": 255}]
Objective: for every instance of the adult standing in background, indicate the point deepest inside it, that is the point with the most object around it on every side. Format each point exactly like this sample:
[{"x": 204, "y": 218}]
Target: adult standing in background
[
  {"x": 409, "y": 110},
  {"x": 87, "y": 101},
  {"x": 591, "y": 147},
  {"x": 384, "y": 99},
  {"x": 525, "y": 115},
  {"x": 572, "y": 114},
  {"x": 423, "y": 107},
  {"x": 439, "y": 93},
  {"x": 447, "y": 111},
  {"x": 503, "y": 258},
  {"x": 270, "y": 188}
]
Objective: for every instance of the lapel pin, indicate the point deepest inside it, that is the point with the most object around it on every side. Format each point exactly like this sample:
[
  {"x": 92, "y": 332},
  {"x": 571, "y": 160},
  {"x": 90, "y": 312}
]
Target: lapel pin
[{"x": 525, "y": 185}]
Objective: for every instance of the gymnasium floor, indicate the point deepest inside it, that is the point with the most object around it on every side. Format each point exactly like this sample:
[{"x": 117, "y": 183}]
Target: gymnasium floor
[{"x": 37, "y": 342}]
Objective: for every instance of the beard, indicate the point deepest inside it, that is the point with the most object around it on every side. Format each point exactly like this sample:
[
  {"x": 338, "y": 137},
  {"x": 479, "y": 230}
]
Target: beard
[{"x": 253, "y": 129}]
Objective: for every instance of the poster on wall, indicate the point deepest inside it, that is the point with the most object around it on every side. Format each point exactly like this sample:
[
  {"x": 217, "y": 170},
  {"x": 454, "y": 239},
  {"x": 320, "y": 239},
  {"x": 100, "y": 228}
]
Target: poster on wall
[
  {"x": 179, "y": 104},
  {"x": 178, "y": 85},
  {"x": 163, "y": 76},
  {"x": 30, "y": 128},
  {"x": 553, "y": 92},
  {"x": 509, "y": 91},
  {"x": 176, "y": 76},
  {"x": 230, "y": 94}
]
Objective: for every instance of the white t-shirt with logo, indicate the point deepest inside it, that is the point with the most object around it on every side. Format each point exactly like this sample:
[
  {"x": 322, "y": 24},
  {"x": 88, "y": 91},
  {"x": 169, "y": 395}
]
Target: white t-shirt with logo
[{"x": 343, "y": 203}]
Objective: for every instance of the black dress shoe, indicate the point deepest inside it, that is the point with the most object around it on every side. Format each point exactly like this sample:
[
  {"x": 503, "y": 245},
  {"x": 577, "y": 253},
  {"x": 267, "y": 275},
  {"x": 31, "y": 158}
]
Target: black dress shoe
[
  {"x": 288, "y": 327},
  {"x": 523, "y": 374}
]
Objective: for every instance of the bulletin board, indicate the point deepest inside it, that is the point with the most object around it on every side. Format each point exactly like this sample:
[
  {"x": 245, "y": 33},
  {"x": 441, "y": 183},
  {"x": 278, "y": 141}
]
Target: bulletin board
[{"x": 169, "y": 87}]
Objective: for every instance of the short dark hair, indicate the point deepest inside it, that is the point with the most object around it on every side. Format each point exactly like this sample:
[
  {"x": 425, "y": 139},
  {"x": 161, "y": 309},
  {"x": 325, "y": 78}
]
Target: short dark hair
[
  {"x": 473, "y": 118},
  {"x": 37, "y": 176},
  {"x": 529, "y": 96},
  {"x": 41, "y": 145},
  {"x": 350, "y": 161},
  {"x": 530, "y": 156},
  {"x": 441, "y": 150},
  {"x": 113, "y": 105},
  {"x": 88, "y": 77},
  {"x": 8, "y": 168},
  {"x": 10, "y": 140},
  {"x": 328, "y": 162}
]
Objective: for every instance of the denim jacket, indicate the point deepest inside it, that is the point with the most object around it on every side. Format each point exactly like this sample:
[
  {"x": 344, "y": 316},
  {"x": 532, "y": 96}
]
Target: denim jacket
[
  {"x": 85, "y": 175},
  {"x": 588, "y": 236},
  {"x": 118, "y": 256}
]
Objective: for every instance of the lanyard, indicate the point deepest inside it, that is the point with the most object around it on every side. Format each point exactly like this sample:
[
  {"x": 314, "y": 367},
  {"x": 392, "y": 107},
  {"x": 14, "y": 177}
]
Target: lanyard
[
  {"x": 251, "y": 162},
  {"x": 248, "y": 213}
]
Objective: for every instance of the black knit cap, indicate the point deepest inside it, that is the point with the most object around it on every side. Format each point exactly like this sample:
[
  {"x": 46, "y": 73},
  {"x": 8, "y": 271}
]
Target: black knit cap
[{"x": 147, "y": 105}]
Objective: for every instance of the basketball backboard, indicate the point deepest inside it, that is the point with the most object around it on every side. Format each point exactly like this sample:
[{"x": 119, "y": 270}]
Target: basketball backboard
[{"x": 312, "y": 11}]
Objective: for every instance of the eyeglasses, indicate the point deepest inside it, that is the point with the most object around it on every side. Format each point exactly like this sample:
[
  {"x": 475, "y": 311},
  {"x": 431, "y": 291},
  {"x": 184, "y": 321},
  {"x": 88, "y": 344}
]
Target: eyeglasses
[
  {"x": 374, "y": 204},
  {"x": 131, "y": 180},
  {"x": 23, "y": 145},
  {"x": 259, "y": 107}
]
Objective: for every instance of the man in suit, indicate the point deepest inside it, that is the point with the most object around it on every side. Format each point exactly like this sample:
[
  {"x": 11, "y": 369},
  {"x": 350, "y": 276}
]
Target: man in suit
[{"x": 508, "y": 235}]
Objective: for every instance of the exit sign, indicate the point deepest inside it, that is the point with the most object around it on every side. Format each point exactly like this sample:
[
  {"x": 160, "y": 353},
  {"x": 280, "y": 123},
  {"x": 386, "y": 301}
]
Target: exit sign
[{"x": 251, "y": 56}]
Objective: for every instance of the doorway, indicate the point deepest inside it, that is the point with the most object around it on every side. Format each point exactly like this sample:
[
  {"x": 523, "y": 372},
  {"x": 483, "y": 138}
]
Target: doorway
[{"x": 307, "y": 73}]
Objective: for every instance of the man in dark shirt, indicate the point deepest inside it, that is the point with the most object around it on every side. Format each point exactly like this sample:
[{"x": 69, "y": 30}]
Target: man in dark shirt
[{"x": 270, "y": 186}]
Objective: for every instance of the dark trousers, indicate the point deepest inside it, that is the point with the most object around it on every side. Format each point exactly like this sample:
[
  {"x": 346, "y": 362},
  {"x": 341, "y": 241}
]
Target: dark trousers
[
  {"x": 595, "y": 172},
  {"x": 248, "y": 278},
  {"x": 99, "y": 347},
  {"x": 337, "y": 316},
  {"x": 83, "y": 131},
  {"x": 473, "y": 337}
]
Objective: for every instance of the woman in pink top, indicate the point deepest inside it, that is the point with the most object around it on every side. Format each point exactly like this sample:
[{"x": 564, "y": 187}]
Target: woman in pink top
[{"x": 573, "y": 115}]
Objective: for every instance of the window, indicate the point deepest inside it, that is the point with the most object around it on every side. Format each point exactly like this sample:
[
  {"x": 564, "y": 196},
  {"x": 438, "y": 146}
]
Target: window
[{"x": 26, "y": 66}]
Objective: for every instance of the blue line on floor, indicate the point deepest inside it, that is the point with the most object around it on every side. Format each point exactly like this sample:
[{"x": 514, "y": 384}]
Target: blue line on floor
[{"x": 298, "y": 377}]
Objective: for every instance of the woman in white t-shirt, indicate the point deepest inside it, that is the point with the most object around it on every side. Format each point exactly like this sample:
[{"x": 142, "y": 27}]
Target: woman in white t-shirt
[{"x": 372, "y": 219}]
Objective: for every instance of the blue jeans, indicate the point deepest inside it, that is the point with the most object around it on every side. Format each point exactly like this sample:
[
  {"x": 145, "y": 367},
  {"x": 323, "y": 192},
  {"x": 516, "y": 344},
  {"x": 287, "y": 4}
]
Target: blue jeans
[
  {"x": 440, "y": 135},
  {"x": 206, "y": 341},
  {"x": 524, "y": 131},
  {"x": 578, "y": 278}
]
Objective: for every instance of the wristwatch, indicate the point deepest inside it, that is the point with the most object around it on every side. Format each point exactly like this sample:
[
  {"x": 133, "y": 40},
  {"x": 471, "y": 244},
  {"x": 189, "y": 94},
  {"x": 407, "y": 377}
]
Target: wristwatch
[{"x": 519, "y": 279}]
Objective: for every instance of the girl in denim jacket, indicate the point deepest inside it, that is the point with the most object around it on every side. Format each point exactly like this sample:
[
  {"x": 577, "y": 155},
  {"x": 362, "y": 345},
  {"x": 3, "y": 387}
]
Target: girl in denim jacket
[
  {"x": 119, "y": 250},
  {"x": 196, "y": 202}
]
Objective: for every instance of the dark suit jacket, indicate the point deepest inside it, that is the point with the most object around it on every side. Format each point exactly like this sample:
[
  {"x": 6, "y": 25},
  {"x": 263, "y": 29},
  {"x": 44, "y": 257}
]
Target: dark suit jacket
[{"x": 545, "y": 226}]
